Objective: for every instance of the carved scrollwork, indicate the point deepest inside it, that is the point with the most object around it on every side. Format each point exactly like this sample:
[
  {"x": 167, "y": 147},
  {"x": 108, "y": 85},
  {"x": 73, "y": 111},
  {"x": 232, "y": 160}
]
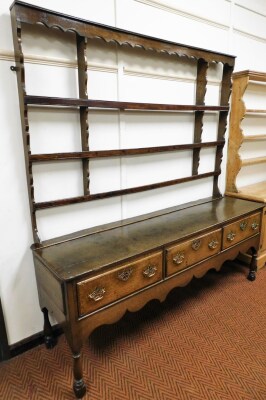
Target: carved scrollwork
[
  {"x": 20, "y": 68},
  {"x": 111, "y": 35}
]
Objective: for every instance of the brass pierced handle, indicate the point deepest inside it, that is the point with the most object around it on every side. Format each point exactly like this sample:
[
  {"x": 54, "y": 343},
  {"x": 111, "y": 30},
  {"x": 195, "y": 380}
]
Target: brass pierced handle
[
  {"x": 179, "y": 258},
  {"x": 97, "y": 294},
  {"x": 254, "y": 225},
  {"x": 231, "y": 236},
  {"x": 150, "y": 271},
  {"x": 213, "y": 244},
  {"x": 125, "y": 274},
  {"x": 243, "y": 225},
  {"x": 196, "y": 244}
]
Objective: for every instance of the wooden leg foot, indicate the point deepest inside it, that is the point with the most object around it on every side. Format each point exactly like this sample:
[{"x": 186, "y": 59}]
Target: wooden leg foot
[
  {"x": 251, "y": 276},
  {"x": 49, "y": 339},
  {"x": 79, "y": 386},
  {"x": 253, "y": 266}
]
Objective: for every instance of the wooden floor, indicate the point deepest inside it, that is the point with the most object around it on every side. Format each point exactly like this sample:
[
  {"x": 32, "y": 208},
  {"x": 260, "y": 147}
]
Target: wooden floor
[{"x": 207, "y": 341}]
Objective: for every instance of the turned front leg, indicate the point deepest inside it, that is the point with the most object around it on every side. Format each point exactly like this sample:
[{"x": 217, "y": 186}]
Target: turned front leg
[
  {"x": 49, "y": 338},
  {"x": 79, "y": 386},
  {"x": 253, "y": 265}
]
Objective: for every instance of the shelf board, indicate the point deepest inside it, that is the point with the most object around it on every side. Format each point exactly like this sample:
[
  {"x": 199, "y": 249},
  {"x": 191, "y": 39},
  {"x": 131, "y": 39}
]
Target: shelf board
[
  {"x": 255, "y": 192},
  {"x": 254, "y": 76},
  {"x": 121, "y": 192},
  {"x": 120, "y": 153},
  {"x": 120, "y": 105},
  {"x": 255, "y": 111},
  {"x": 253, "y": 161},
  {"x": 253, "y": 138}
]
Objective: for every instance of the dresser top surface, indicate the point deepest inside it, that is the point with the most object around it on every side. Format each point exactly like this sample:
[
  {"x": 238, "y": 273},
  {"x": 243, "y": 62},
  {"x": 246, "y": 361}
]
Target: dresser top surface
[{"x": 86, "y": 254}]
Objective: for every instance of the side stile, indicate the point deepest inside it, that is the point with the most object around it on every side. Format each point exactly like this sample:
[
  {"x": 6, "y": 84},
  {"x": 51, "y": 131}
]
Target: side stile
[
  {"x": 201, "y": 86},
  {"x": 226, "y": 86},
  {"x": 20, "y": 69},
  {"x": 83, "y": 94}
]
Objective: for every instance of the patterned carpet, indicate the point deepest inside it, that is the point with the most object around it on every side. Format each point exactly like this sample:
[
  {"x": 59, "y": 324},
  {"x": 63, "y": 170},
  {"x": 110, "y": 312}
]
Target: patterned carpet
[{"x": 206, "y": 341}]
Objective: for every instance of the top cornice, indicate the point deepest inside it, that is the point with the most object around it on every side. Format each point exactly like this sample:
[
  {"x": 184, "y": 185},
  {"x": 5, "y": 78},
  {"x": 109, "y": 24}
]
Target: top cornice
[{"x": 31, "y": 14}]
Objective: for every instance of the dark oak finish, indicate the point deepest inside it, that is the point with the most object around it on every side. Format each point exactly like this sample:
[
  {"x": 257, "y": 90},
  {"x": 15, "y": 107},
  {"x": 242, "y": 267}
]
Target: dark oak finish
[
  {"x": 30, "y": 14},
  {"x": 49, "y": 338},
  {"x": 77, "y": 287},
  {"x": 120, "y": 153},
  {"x": 83, "y": 111},
  {"x": 93, "y": 277},
  {"x": 192, "y": 251},
  {"x": 118, "y": 105},
  {"x": 225, "y": 94},
  {"x": 105, "y": 195},
  {"x": 95, "y": 251},
  {"x": 200, "y": 95},
  {"x": 25, "y": 13},
  {"x": 240, "y": 230},
  {"x": 119, "y": 282}
]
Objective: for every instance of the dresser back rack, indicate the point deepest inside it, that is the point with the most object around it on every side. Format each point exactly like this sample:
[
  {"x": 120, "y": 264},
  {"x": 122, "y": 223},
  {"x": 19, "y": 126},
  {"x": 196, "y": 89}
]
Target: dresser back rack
[{"x": 94, "y": 276}]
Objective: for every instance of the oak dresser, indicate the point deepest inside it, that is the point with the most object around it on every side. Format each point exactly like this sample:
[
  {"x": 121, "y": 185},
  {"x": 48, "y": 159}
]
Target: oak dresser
[{"x": 92, "y": 277}]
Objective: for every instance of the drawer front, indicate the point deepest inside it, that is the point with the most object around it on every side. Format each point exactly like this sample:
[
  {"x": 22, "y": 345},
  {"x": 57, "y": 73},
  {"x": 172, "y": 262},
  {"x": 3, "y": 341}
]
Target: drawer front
[
  {"x": 192, "y": 251},
  {"x": 125, "y": 279},
  {"x": 240, "y": 230}
]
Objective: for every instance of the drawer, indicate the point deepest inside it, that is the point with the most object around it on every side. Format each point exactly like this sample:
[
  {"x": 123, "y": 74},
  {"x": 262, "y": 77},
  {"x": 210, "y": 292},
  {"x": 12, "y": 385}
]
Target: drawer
[
  {"x": 240, "y": 230},
  {"x": 125, "y": 279},
  {"x": 192, "y": 251}
]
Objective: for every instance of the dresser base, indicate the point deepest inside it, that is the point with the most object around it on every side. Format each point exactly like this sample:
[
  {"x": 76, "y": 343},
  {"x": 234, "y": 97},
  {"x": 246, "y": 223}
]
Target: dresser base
[{"x": 77, "y": 330}]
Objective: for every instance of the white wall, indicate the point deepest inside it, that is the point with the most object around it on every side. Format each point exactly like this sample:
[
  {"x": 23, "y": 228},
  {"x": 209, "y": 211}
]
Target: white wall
[{"x": 234, "y": 27}]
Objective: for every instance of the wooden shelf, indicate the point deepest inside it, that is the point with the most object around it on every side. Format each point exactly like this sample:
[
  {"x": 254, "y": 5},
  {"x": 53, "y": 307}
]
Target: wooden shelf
[
  {"x": 253, "y": 76},
  {"x": 255, "y": 192},
  {"x": 255, "y": 111},
  {"x": 119, "y": 105},
  {"x": 105, "y": 195},
  {"x": 254, "y": 138},
  {"x": 120, "y": 153},
  {"x": 85, "y": 31},
  {"x": 253, "y": 161}
]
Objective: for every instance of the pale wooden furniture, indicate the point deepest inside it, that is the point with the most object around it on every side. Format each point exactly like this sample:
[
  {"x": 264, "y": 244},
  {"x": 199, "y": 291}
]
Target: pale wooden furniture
[
  {"x": 89, "y": 278},
  {"x": 237, "y": 136}
]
